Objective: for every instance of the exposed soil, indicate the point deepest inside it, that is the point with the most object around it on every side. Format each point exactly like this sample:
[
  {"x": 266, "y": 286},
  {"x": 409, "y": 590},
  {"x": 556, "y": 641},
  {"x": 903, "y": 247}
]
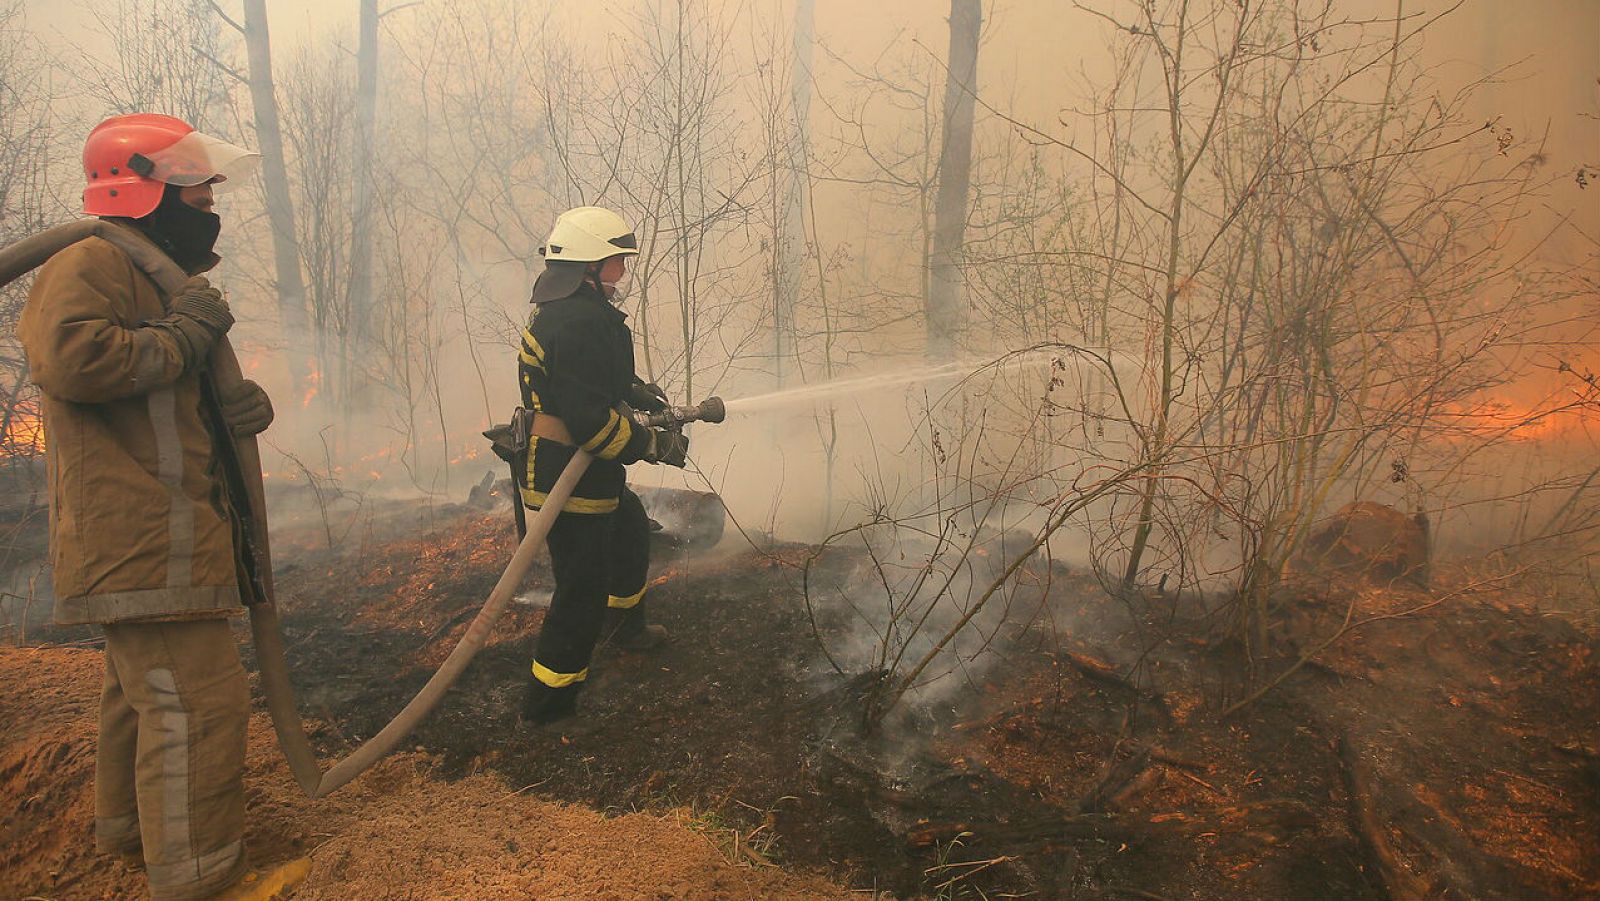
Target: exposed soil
[
  {"x": 401, "y": 833},
  {"x": 1446, "y": 750}
]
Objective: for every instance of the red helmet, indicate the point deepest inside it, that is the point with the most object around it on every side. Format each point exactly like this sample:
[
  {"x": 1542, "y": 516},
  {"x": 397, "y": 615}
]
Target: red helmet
[{"x": 129, "y": 160}]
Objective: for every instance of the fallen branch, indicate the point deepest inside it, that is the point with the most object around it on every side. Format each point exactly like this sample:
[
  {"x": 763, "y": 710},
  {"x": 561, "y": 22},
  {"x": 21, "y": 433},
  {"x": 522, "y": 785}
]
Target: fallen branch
[
  {"x": 1172, "y": 758},
  {"x": 461, "y": 616},
  {"x": 1139, "y": 785},
  {"x": 1395, "y": 876},
  {"x": 1096, "y": 670},
  {"x": 1281, "y": 815},
  {"x": 1123, "y": 891},
  {"x": 1114, "y": 777},
  {"x": 970, "y": 868}
]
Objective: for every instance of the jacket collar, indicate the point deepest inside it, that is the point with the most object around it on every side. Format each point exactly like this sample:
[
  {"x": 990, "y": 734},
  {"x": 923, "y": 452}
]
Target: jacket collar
[{"x": 587, "y": 293}]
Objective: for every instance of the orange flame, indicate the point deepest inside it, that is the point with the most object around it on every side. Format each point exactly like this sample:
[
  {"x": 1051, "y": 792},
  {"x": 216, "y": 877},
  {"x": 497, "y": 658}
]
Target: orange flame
[
  {"x": 313, "y": 385},
  {"x": 24, "y": 435},
  {"x": 1516, "y": 423}
]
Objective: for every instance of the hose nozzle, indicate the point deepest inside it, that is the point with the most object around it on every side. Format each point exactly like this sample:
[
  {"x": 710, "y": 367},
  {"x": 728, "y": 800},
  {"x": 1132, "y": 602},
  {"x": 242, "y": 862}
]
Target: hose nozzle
[{"x": 712, "y": 409}]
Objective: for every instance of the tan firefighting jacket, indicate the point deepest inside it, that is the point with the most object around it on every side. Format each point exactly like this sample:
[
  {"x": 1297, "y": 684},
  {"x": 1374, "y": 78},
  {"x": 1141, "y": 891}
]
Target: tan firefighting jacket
[{"x": 138, "y": 520}]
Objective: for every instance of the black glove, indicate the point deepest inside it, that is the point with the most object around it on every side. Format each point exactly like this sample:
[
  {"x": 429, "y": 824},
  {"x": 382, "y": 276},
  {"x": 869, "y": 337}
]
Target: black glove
[
  {"x": 198, "y": 317},
  {"x": 247, "y": 409},
  {"x": 647, "y": 397},
  {"x": 668, "y": 446}
]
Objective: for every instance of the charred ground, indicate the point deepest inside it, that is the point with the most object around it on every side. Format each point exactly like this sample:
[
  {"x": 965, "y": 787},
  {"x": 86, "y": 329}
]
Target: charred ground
[
  {"x": 1447, "y": 749},
  {"x": 1443, "y": 747}
]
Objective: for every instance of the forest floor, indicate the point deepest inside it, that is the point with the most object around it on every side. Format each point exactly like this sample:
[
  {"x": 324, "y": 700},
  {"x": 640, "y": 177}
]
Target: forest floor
[{"x": 1445, "y": 746}]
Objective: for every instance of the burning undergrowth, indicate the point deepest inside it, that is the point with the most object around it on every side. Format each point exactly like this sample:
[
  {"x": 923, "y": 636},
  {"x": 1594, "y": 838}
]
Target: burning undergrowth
[{"x": 1076, "y": 743}]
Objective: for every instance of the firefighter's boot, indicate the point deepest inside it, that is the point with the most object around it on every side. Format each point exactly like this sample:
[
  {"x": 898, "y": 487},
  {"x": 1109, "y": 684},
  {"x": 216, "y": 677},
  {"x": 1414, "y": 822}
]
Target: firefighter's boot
[
  {"x": 631, "y": 629},
  {"x": 542, "y": 704},
  {"x": 269, "y": 883}
]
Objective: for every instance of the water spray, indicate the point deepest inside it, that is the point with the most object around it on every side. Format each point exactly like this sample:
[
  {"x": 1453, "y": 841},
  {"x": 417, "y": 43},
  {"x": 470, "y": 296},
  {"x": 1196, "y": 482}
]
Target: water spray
[{"x": 864, "y": 384}]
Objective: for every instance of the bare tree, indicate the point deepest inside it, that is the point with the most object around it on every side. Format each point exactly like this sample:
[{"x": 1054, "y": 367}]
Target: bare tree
[
  {"x": 1291, "y": 258},
  {"x": 1306, "y": 251},
  {"x": 26, "y": 205},
  {"x": 318, "y": 127},
  {"x": 955, "y": 175},
  {"x": 167, "y": 56},
  {"x": 366, "y": 116},
  {"x": 289, "y": 284}
]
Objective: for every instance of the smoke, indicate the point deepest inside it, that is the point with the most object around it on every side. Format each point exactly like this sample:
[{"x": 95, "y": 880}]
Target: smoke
[{"x": 791, "y": 253}]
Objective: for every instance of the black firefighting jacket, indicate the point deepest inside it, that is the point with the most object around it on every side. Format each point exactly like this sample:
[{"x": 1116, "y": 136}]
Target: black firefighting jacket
[{"x": 576, "y": 363}]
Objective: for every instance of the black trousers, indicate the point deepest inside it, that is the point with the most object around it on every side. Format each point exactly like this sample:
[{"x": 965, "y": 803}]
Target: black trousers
[{"x": 599, "y": 560}]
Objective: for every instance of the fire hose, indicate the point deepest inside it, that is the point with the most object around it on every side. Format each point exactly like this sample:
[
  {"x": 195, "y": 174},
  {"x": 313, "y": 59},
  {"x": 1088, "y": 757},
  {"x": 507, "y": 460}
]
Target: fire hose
[{"x": 241, "y": 459}]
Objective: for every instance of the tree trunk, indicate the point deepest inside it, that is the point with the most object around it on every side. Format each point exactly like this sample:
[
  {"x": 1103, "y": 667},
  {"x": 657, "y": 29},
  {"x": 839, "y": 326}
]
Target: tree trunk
[
  {"x": 791, "y": 247},
  {"x": 361, "y": 300},
  {"x": 1157, "y": 445},
  {"x": 944, "y": 314},
  {"x": 280, "y": 205}
]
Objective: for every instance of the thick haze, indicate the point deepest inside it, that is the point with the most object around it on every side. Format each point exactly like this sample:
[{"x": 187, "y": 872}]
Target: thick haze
[
  {"x": 1035, "y": 51},
  {"x": 1037, "y": 64}
]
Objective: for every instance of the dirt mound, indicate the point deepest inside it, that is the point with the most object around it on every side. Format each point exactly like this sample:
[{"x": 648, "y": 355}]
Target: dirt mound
[
  {"x": 48, "y": 703},
  {"x": 1371, "y": 540},
  {"x": 399, "y": 832}
]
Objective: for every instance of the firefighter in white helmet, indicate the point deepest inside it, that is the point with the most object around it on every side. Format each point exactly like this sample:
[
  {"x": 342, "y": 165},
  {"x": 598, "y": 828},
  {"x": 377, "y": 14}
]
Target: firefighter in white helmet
[{"x": 576, "y": 374}]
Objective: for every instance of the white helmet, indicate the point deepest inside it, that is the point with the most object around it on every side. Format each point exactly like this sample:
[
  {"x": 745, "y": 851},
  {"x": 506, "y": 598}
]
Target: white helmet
[
  {"x": 582, "y": 236},
  {"x": 589, "y": 234}
]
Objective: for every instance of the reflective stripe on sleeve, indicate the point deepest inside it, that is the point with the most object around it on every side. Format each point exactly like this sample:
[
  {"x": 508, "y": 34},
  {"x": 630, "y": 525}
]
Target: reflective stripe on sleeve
[
  {"x": 602, "y": 438},
  {"x": 616, "y": 444}
]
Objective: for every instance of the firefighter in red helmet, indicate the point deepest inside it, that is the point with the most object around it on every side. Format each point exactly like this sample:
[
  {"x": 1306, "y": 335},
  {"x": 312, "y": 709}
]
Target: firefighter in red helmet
[{"x": 142, "y": 542}]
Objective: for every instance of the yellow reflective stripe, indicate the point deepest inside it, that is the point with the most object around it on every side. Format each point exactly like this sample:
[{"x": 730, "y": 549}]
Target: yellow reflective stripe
[
  {"x": 615, "y": 445},
  {"x": 531, "y": 345},
  {"x": 531, "y": 352},
  {"x": 558, "y": 680},
  {"x": 533, "y": 498},
  {"x": 628, "y": 602},
  {"x": 613, "y": 422}
]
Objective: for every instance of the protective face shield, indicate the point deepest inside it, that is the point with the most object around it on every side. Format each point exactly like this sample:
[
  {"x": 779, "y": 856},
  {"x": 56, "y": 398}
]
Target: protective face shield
[
  {"x": 195, "y": 159},
  {"x": 617, "y": 291}
]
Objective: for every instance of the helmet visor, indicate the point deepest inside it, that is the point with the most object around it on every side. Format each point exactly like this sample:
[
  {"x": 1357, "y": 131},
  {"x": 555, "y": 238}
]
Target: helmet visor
[{"x": 195, "y": 159}]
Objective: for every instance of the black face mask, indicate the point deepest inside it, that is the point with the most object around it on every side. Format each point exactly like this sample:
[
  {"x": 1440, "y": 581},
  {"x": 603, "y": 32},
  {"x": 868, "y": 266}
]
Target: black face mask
[{"x": 183, "y": 232}]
